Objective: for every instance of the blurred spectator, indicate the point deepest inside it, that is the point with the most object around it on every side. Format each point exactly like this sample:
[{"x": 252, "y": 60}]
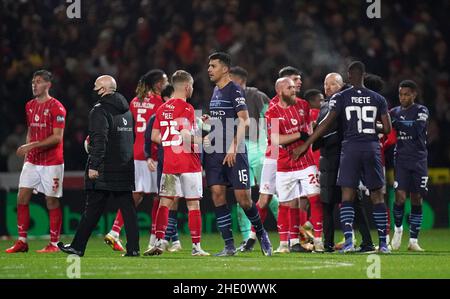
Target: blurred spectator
[{"x": 126, "y": 38}]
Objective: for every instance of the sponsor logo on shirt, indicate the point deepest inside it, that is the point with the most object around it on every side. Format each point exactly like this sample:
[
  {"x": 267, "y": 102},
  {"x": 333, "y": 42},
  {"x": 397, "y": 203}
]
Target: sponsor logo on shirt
[
  {"x": 218, "y": 113},
  {"x": 294, "y": 122},
  {"x": 60, "y": 119},
  {"x": 36, "y": 118},
  {"x": 124, "y": 129}
]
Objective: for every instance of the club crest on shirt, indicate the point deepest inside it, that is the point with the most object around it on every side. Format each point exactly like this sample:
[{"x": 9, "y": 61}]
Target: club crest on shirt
[{"x": 240, "y": 101}]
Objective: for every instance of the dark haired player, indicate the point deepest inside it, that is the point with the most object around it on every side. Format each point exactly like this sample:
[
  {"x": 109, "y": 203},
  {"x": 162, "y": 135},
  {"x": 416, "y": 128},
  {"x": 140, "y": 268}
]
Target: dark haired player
[
  {"x": 43, "y": 169},
  {"x": 359, "y": 109},
  {"x": 410, "y": 162},
  {"x": 225, "y": 160}
]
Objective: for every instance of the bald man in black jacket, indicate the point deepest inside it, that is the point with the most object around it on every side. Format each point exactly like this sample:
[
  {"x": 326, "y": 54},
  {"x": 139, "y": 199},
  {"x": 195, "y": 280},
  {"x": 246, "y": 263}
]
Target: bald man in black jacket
[{"x": 110, "y": 167}]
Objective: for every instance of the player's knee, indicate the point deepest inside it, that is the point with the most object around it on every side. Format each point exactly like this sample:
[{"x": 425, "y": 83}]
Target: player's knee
[
  {"x": 245, "y": 204},
  {"x": 400, "y": 197},
  {"x": 193, "y": 205},
  {"x": 52, "y": 203},
  {"x": 165, "y": 202},
  {"x": 416, "y": 199},
  {"x": 138, "y": 197},
  {"x": 22, "y": 200},
  {"x": 24, "y": 196}
]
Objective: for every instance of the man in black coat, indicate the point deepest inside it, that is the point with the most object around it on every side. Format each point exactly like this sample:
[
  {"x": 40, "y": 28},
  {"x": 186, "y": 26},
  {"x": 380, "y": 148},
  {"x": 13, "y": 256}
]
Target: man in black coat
[{"x": 110, "y": 167}]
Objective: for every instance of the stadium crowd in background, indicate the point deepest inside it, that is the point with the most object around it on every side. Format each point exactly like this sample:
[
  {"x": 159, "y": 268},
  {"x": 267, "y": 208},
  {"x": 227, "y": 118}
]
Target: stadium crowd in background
[{"x": 126, "y": 38}]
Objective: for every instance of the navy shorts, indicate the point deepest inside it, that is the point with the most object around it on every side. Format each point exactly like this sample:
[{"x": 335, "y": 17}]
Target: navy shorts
[
  {"x": 237, "y": 176},
  {"x": 365, "y": 166},
  {"x": 411, "y": 176}
]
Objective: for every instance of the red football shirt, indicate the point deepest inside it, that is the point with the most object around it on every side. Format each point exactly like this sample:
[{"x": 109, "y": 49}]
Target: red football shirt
[
  {"x": 287, "y": 121},
  {"x": 171, "y": 118},
  {"x": 314, "y": 114},
  {"x": 142, "y": 111},
  {"x": 41, "y": 119}
]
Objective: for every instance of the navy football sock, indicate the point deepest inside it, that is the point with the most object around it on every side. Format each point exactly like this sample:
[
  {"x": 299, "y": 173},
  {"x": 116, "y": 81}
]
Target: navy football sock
[
  {"x": 223, "y": 217},
  {"x": 380, "y": 218},
  {"x": 172, "y": 229},
  {"x": 253, "y": 215},
  {"x": 347, "y": 215},
  {"x": 415, "y": 221},
  {"x": 398, "y": 214}
]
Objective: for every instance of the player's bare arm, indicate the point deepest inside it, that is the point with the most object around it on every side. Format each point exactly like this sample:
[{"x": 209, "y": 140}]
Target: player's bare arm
[
  {"x": 279, "y": 139},
  {"x": 320, "y": 130},
  {"x": 48, "y": 142}
]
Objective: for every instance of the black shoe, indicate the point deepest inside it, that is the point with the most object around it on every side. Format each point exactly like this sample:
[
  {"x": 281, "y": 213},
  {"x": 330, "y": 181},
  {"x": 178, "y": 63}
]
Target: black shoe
[
  {"x": 366, "y": 249},
  {"x": 329, "y": 249},
  {"x": 298, "y": 248},
  {"x": 132, "y": 254},
  {"x": 248, "y": 246},
  {"x": 69, "y": 250}
]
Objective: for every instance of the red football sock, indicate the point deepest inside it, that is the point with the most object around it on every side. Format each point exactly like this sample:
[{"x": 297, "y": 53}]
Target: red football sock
[
  {"x": 154, "y": 211},
  {"x": 195, "y": 225},
  {"x": 294, "y": 224},
  {"x": 283, "y": 223},
  {"x": 55, "y": 224},
  {"x": 262, "y": 212},
  {"x": 316, "y": 215},
  {"x": 118, "y": 222},
  {"x": 23, "y": 220},
  {"x": 162, "y": 218}
]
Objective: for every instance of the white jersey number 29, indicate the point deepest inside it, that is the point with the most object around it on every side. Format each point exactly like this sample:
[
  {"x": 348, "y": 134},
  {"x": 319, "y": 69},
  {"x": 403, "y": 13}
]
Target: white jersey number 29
[{"x": 362, "y": 115}]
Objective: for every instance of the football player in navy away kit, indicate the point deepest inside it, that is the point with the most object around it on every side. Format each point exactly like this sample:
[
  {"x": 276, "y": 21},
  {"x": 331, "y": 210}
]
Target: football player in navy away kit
[
  {"x": 359, "y": 109},
  {"x": 225, "y": 160},
  {"x": 410, "y": 162}
]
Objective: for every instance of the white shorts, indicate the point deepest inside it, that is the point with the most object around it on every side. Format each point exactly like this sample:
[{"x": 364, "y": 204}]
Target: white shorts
[
  {"x": 187, "y": 185},
  {"x": 296, "y": 184},
  {"x": 268, "y": 177},
  {"x": 47, "y": 179},
  {"x": 144, "y": 179}
]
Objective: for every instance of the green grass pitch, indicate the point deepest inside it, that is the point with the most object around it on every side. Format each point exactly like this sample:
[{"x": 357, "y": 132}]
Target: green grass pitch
[{"x": 101, "y": 262}]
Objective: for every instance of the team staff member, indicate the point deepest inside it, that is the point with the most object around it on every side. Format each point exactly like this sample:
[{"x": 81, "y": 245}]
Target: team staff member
[{"x": 110, "y": 167}]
